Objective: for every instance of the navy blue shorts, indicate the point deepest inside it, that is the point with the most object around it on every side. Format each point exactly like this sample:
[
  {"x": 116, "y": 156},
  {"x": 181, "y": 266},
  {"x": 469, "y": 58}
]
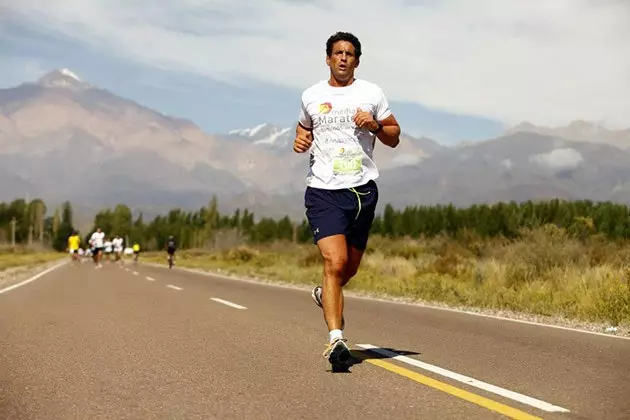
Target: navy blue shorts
[{"x": 334, "y": 212}]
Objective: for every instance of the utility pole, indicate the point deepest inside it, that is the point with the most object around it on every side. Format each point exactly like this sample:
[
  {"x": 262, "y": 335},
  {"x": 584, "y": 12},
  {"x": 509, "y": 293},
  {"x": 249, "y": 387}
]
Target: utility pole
[
  {"x": 13, "y": 221},
  {"x": 30, "y": 235},
  {"x": 41, "y": 223}
]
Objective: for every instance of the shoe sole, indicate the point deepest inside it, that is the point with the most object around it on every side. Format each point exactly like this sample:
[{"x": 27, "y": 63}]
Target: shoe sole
[
  {"x": 314, "y": 297},
  {"x": 340, "y": 357}
]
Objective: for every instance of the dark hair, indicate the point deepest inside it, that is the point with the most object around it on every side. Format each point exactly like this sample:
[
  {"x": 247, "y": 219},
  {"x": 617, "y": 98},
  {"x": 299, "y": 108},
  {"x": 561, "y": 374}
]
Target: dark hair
[{"x": 343, "y": 36}]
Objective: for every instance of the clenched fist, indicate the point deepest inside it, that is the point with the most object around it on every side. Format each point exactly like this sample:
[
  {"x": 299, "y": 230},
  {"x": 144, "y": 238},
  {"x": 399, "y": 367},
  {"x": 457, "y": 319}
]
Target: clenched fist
[
  {"x": 302, "y": 142},
  {"x": 364, "y": 119}
]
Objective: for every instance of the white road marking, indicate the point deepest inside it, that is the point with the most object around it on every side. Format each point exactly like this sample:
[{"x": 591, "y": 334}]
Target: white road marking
[
  {"x": 135, "y": 273},
  {"x": 228, "y": 303},
  {"x": 35, "y": 277},
  {"x": 174, "y": 287},
  {"x": 150, "y": 279},
  {"x": 533, "y": 402}
]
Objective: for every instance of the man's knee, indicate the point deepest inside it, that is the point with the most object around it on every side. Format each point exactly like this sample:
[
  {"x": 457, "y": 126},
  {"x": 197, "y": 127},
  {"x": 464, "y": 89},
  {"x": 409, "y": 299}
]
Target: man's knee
[{"x": 335, "y": 264}]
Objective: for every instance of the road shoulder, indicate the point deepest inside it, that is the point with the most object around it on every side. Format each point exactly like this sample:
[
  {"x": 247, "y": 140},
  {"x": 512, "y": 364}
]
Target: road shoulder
[{"x": 14, "y": 275}]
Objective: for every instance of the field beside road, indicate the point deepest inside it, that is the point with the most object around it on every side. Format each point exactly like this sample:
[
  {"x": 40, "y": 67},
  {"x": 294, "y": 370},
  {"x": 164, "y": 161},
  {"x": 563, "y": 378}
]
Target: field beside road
[
  {"x": 545, "y": 274},
  {"x": 21, "y": 256}
]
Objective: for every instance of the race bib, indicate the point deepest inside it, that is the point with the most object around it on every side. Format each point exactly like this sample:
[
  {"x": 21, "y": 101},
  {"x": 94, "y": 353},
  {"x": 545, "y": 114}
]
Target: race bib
[{"x": 347, "y": 160}]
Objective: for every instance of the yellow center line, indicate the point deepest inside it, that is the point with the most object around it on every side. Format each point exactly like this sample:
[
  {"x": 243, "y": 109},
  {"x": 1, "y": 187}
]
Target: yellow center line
[{"x": 487, "y": 403}]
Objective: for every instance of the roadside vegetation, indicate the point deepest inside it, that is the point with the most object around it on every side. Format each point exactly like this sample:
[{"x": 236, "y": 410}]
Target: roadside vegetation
[
  {"x": 551, "y": 258},
  {"x": 25, "y": 257},
  {"x": 545, "y": 272}
]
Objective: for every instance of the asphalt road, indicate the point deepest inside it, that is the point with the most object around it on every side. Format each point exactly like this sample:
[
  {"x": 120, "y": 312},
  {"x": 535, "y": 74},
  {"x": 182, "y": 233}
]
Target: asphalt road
[{"x": 81, "y": 343}]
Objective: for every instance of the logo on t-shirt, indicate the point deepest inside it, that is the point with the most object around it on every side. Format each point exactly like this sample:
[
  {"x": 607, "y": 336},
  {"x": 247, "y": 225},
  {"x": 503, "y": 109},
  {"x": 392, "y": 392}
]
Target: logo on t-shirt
[{"x": 325, "y": 108}]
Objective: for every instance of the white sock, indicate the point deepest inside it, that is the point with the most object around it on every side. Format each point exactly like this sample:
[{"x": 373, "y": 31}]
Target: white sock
[{"x": 335, "y": 334}]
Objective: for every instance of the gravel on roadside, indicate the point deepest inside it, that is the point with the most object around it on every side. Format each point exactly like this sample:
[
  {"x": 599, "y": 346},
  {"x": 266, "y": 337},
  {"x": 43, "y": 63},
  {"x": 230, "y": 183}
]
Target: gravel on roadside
[{"x": 14, "y": 275}]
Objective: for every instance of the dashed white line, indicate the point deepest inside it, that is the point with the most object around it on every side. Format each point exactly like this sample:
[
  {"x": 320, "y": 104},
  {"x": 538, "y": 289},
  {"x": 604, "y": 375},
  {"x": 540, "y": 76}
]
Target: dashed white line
[
  {"x": 228, "y": 303},
  {"x": 533, "y": 402},
  {"x": 173, "y": 287},
  {"x": 135, "y": 273},
  {"x": 150, "y": 278}
]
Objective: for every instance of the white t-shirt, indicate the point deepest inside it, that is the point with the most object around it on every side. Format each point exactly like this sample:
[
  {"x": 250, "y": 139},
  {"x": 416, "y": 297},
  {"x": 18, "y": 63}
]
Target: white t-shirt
[
  {"x": 341, "y": 154},
  {"x": 117, "y": 243},
  {"x": 97, "y": 239}
]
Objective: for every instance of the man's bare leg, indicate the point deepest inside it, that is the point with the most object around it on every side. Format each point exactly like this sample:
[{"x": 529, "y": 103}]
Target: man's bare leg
[
  {"x": 337, "y": 273},
  {"x": 335, "y": 254}
]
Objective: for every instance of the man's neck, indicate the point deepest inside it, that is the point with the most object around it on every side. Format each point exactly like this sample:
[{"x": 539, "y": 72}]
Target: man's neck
[{"x": 340, "y": 83}]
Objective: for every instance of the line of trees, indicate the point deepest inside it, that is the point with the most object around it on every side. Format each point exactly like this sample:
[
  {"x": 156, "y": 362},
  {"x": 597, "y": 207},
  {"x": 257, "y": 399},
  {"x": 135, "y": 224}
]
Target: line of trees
[
  {"x": 579, "y": 218},
  {"x": 25, "y": 222}
]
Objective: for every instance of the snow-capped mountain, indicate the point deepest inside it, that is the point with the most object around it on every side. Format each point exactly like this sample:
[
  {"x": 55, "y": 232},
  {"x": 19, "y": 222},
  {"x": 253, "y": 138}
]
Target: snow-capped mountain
[
  {"x": 63, "y": 78},
  {"x": 266, "y": 134}
]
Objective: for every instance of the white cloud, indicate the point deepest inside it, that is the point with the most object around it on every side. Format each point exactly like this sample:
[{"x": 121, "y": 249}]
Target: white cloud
[
  {"x": 549, "y": 62},
  {"x": 559, "y": 159}
]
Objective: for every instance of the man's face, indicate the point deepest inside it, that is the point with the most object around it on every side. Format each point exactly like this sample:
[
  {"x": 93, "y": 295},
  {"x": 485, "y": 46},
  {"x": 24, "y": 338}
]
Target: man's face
[{"x": 342, "y": 61}]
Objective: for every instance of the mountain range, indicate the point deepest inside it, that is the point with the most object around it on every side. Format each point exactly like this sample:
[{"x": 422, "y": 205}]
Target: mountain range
[{"x": 62, "y": 138}]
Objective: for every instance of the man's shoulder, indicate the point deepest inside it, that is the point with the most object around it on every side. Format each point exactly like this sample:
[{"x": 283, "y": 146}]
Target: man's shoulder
[{"x": 367, "y": 85}]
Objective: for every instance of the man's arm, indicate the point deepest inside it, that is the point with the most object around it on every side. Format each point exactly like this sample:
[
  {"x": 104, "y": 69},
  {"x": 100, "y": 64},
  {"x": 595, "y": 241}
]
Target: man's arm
[
  {"x": 303, "y": 131},
  {"x": 389, "y": 134}
]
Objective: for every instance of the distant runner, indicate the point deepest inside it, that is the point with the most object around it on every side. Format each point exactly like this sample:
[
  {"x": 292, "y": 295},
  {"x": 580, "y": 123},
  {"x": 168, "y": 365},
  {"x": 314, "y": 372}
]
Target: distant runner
[
  {"x": 74, "y": 242},
  {"x": 108, "y": 249},
  {"x": 117, "y": 243},
  {"x": 97, "y": 243},
  {"x": 136, "y": 251}
]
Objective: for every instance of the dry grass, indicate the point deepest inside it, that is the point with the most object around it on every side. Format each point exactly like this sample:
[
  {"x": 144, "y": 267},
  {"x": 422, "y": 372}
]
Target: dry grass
[
  {"x": 545, "y": 273},
  {"x": 25, "y": 257}
]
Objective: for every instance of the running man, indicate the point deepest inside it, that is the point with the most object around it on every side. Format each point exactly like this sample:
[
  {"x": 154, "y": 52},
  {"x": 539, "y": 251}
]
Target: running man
[
  {"x": 74, "y": 242},
  {"x": 97, "y": 241},
  {"x": 108, "y": 249},
  {"x": 136, "y": 251},
  {"x": 117, "y": 243},
  {"x": 339, "y": 122}
]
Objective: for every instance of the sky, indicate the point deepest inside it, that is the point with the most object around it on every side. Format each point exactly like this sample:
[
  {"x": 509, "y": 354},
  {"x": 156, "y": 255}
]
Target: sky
[{"x": 453, "y": 70}]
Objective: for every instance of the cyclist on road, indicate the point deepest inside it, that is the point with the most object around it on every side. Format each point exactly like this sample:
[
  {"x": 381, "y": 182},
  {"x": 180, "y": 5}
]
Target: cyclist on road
[{"x": 170, "y": 249}]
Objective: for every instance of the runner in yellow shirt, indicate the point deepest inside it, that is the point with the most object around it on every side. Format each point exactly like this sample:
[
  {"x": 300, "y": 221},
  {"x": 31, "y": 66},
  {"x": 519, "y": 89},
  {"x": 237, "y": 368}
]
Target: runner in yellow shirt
[
  {"x": 136, "y": 252},
  {"x": 74, "y": 241}
]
